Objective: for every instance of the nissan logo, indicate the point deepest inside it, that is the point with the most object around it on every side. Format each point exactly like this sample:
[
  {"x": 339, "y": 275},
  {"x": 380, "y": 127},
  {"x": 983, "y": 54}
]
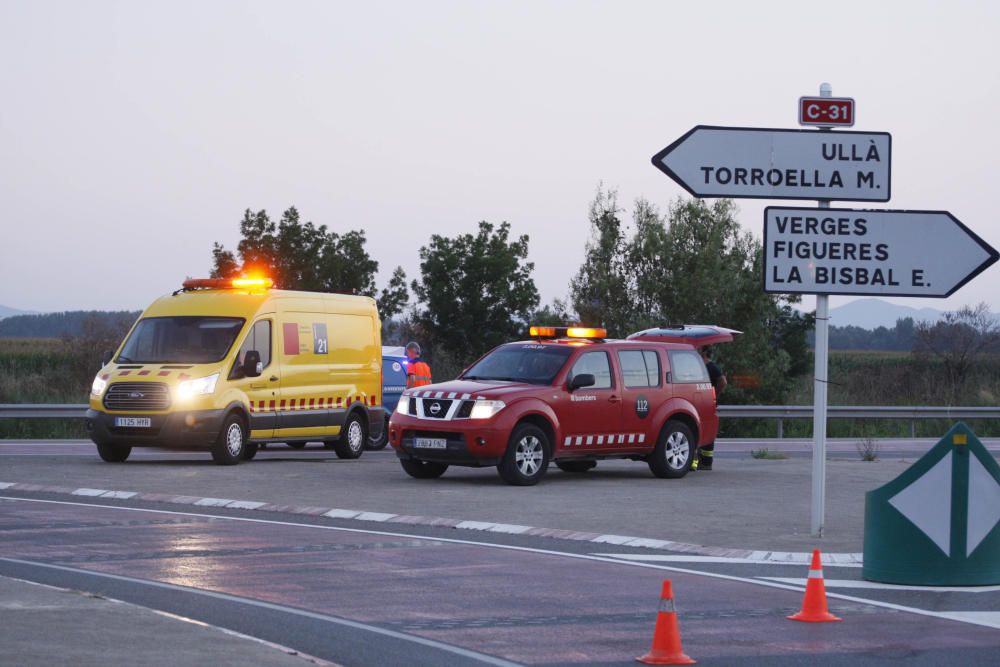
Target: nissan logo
[
  {"x": 136, "y": 394},
  {"x": 435, "y": 408}
]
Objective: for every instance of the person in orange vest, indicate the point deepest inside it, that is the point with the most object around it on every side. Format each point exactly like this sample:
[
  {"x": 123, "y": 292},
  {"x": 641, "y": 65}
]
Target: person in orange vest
[{"x": 418, "y": 373}]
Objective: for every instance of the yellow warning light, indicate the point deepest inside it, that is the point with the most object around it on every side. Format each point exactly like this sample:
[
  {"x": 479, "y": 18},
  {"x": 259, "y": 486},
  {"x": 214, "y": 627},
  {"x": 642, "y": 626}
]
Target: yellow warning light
[
  {"x": 586, "y": 332},
  {"x": 263, "y": 283},
  {"x": 568, "y": 332},
  {"x": 959, "y": 439},
  {"x": 228, "y": 283}
]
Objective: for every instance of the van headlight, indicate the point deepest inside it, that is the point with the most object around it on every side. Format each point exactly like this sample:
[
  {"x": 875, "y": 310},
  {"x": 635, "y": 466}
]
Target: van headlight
[
  {"x": 403, "y": 407},
  {"x": 484, "y": 409},
  {"x": 99, "y": 385},
  {"x": 199, "y": 387}
]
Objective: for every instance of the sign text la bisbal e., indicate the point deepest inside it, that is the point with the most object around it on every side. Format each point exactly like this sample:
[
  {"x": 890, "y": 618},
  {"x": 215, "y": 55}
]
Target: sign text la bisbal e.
[{"x": 761, "y": 163}]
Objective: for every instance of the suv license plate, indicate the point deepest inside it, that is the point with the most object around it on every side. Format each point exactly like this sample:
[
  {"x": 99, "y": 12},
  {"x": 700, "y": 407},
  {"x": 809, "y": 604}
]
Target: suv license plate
[
  {"x": 133, "y": 422},
  {"x": 431, "y": 443}
]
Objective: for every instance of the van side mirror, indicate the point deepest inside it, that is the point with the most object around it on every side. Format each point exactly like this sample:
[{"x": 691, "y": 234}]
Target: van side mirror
[
  {"x": 106, "y": 357},
  {"x": 582, "y": 380},
  {"x": 252, "y": 366}
]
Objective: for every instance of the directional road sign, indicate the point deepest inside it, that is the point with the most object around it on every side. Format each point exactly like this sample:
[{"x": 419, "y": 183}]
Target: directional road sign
[
  {"x": 883, "y": 253},
  {"x": 780, "y": 164}
]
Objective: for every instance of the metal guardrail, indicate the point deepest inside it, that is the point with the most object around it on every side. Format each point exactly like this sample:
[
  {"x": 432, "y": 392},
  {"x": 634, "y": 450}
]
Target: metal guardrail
[{"x": 778, "y": 412}]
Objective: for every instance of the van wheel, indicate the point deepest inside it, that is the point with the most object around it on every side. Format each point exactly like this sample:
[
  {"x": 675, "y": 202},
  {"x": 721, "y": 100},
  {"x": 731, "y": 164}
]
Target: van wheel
[
  {"x": 376, "y": 444},
  {"x": 576, "y": 466},
  {"x": 674, "y": 451},
  {"x": 423, "y": 469},
  {"x": 114, "y": 453},
  {"x": 527, "y": 456},
  {"x": 231, "y": 444},
  {"x": 250, "y": 451},
  {"x": 352, "y": 438}
]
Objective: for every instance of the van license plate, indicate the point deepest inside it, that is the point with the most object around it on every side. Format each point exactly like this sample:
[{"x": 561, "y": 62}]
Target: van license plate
[
  {"x": 133, "y": 422},
  {"x": 431, "y": 443}
]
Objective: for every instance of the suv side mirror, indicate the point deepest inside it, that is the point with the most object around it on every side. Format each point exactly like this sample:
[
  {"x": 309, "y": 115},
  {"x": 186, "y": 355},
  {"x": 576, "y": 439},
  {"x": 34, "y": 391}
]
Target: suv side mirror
[
  {"x": 252, "y": 366},
  {"x": 582, "y": 380}
]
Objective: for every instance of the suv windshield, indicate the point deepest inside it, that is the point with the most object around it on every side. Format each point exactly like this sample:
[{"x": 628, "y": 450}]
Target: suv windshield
[
  {"x": 524, "y": 362},
  {"x": 185, "y": 340}
]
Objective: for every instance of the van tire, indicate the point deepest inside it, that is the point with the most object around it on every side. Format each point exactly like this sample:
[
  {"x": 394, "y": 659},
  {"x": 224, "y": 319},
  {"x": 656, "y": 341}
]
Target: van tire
[
  {"x": 674, "y": 451},
  {"x": 576, "y": 466},
  {"x": 113, "y": 453},
  {"x": 250, "y": 451},
  {"x": 231, "y": 444},
  {"x": 353, "y": 437},
  {"x": 423, "y": 469},
  {"x": 527, "y": 456},
  {"x": 376, "y": 444}
]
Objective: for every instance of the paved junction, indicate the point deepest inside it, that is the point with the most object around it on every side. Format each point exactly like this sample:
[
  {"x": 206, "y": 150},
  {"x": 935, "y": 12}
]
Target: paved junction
[{"x": 299, "y": 556}]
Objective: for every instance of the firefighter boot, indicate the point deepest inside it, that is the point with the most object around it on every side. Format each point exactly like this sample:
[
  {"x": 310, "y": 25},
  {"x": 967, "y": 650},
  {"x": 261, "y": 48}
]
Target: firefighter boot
[{"x": 705, "y": 456}]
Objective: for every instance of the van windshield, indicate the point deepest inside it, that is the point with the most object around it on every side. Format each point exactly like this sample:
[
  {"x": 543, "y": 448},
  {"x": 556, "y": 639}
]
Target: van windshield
[
  {"x": 521, "y": 362},
  {"x": 180, "y": 340}
]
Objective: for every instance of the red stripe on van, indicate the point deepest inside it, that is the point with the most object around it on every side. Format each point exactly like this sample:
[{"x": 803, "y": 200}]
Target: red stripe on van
[
  {"x": 280, "y": 407},
  {"x": 163, "y": 374},
  {"x": 340, "y": 400},
  {"x": 143, "y": 373},
  {"x": 123, "y": 373},
  {"x": 312, "y": 403}
]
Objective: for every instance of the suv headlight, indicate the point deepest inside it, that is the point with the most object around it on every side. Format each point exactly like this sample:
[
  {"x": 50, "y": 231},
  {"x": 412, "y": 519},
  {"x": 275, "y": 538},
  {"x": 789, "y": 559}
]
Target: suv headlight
[
  {"x": 199, "y": 387},
  {"x": 484, "y": 409},
  {"x": 403, "y": 407},
  {"x": 99, "y": 385}
]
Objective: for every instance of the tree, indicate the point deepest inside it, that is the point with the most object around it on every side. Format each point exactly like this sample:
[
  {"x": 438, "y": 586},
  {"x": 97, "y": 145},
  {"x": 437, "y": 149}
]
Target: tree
[
  {"x": 696, "y": 265},
  {"x": 600, "y": 289},
  {"x": 301, "y": 256},
  {"x": 476, "y": 290},
  {"x": 958, "y": 339}
]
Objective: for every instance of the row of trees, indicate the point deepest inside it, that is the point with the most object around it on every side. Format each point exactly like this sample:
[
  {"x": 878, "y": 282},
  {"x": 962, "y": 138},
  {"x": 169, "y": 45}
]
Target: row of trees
[{"x": 692, "y": 264}]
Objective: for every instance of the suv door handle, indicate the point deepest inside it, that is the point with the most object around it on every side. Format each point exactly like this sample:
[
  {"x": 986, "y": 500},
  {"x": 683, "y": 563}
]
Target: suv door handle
[{"x": 614, "y": 399}]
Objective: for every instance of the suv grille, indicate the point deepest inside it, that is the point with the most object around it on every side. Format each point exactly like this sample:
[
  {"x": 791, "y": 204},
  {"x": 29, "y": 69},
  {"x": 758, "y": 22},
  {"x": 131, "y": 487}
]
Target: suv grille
[
  {"x": 436, "y": 408},
  {"x": 137, "y": 396}
]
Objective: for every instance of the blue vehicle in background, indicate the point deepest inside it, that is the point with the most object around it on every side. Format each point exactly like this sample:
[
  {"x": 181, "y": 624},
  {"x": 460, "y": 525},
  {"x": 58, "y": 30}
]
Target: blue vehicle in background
[{"x": 393, "y": 386}]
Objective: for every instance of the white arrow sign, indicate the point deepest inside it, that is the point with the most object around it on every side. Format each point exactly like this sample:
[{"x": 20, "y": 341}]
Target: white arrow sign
[
  {"x": 884, "y": 253},
  {"x": 780, "y": 164}
]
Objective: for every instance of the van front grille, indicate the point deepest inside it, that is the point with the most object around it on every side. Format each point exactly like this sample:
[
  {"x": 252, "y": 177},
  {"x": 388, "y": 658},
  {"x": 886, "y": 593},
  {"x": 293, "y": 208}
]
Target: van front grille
[{"x": 137, "y": 397}]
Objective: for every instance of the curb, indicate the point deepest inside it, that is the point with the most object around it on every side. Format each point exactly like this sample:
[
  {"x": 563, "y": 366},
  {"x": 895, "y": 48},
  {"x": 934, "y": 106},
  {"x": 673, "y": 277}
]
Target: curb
[{"x": 795, "y": 557}]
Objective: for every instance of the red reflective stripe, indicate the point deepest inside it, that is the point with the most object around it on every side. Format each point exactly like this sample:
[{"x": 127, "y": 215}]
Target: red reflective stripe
[
  {"x": 251, "y": 407},
  {"x": 280, "y": 407},
  {"x": 340, "y": 399},
  {"x": 183, "y": 376},
  {"x": 312, "y": 403},
  {"x": 143, "y": 373},
  {"x": 262, "y": 405},
  {"x": 163, "y": 374},
  {"x": 123, "y": 373}
]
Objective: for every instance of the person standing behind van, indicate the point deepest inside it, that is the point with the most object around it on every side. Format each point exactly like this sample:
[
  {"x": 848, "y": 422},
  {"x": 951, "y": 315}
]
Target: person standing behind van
[
  {"x": 418, "y": 373},
  {"x": 718, "y": 379}
]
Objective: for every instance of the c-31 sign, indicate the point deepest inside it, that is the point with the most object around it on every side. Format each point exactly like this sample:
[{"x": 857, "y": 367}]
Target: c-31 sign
[{"x": 884, "y": 253}]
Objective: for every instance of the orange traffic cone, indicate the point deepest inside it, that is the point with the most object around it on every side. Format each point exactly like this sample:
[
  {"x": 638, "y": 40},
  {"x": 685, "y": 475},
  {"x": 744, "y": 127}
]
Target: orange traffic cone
[
  {"x": 666, "y": 649},
  {"x": 814, "y": 603}
]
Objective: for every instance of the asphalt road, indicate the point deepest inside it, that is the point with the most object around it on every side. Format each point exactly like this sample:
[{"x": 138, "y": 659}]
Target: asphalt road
[{"x": 460, "y": 570}]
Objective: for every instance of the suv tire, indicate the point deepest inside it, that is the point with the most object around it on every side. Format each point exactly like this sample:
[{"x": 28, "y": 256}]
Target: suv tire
[
  {"x": 527, "y": 456},
  {"x": 674, "y": 451},
  {"x": 423, "y": 469}
]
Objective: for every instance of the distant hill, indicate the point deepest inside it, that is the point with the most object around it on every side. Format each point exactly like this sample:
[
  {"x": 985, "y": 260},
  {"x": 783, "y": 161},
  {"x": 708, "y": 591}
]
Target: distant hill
[
  {"x": 874, "y": 313},
  {"x": 6, "y": 311},
  {"x": 58, "y": 325}
]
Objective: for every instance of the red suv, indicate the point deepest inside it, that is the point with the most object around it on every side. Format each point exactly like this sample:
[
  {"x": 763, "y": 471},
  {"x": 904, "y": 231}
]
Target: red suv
[{"x": 570, "y": 397}]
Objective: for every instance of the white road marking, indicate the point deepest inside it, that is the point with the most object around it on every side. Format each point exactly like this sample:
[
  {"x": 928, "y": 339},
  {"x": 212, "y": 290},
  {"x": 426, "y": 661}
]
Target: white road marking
[
  {"x": 465, "y": 653},
  {"x": 990, "y": 619},
  {"x": 802, "y": 559},
  {"x": 973, "y": 618},
  {"x": 853, "y": 583}
]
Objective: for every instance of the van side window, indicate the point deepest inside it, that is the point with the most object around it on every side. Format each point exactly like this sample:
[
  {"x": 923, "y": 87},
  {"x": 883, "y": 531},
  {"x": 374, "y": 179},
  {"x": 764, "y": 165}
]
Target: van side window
[
  {"x": 596, "y": 364},
  {"x": 687, "y": 366},
  {"x": 258, "y": 338}
]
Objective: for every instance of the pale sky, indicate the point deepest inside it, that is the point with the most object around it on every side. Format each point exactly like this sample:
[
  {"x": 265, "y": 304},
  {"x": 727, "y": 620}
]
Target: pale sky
[{"x": 134, "y": 134}]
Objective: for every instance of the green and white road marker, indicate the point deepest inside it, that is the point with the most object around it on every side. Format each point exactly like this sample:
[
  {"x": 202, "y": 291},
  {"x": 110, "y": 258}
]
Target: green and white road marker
[{"x": 938, "y": 523}]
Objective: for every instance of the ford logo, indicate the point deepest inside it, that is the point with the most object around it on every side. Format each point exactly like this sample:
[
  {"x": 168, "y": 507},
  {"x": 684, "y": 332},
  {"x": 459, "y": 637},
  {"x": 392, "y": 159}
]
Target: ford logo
[
  {"x": 435, "y": 408},
  {"x": 136, "y": 394}
]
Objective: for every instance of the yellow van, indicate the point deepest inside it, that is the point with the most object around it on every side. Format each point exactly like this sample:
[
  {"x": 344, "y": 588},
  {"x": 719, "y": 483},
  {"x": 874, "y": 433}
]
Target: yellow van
[{"x": 225, "y": 365}]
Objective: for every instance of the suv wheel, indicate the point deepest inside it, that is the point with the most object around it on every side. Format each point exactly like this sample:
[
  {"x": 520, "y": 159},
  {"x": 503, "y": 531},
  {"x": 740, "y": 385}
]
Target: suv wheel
[
  {"x": 232, "y": 441},
  {"x": 527, "y": 456},
  {"x": 423, "y": 469},
  {"x": 674, "y": 451},
  {"x": 352, "y": 438}
]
